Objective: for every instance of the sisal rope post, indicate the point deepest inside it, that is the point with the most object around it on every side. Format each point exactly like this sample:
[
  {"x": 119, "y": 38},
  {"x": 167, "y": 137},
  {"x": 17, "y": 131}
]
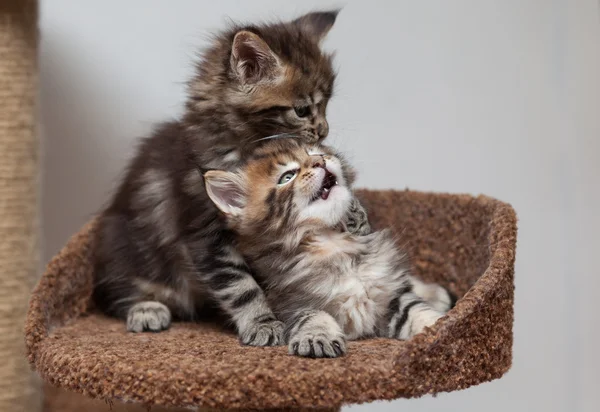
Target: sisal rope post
[{"x": 18, "y": 198}]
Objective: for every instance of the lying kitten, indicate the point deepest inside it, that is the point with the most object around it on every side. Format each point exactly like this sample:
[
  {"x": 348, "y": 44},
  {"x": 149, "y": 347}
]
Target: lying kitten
[
  {"x": 162, "y": 249},
  {"x": 286, "y": 207}
]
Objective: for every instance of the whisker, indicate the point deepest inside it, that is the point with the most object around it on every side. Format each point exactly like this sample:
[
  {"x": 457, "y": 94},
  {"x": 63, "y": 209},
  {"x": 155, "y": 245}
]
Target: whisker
[{"x": 276, "y": 136}]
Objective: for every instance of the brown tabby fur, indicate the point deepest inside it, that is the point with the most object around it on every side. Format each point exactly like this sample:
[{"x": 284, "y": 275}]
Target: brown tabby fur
[
  {"x": 287, "y": 207},
  {"x": 163, "y": 250}
]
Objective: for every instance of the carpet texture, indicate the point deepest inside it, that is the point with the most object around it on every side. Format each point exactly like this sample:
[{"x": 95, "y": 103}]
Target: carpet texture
[
  {"x": 465, "y": 243},
  {"x": 18, "y": 198},
  {"x": 60, "y": 400}
]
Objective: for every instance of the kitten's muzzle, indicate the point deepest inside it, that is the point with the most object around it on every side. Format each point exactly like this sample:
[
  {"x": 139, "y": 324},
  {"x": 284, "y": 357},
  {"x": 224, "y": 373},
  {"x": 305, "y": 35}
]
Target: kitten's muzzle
[{"x": 322, "y": 128}]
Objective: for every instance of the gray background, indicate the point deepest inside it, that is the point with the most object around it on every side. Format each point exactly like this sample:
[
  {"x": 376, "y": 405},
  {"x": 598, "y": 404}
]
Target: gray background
[{"x": 496, "y": 97}]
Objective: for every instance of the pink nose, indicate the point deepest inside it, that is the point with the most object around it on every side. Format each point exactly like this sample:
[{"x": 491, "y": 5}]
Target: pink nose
[
  {"x": 322, "y": 129},
  {"x": 318, "y": 161}
]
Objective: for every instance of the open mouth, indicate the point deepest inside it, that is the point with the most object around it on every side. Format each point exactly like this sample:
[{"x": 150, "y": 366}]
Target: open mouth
[{"x": 329, "y": 181}]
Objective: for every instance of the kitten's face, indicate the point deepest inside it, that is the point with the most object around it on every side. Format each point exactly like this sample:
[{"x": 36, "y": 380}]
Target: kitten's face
[
  {"x": 270, "y": 79},
  {"x": 287, "y": 184}
]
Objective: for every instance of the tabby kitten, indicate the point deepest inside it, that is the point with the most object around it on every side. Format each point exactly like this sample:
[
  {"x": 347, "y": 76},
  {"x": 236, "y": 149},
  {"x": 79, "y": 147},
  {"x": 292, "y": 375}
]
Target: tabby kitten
[
  {"x": 162, "y": 250},
  {"x": 286, "y": 207}
]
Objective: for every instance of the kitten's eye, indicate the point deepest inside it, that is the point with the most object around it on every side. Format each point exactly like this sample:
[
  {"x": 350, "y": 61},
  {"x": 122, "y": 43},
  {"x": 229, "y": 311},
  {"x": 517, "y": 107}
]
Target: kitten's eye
[
  {"x": 302, "y": 111},
  {"x": 287, "y": 177}
]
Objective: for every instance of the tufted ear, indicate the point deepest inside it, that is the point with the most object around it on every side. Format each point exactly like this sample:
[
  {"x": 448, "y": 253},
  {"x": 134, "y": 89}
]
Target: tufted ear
[
  {"x": 227, "y": 190},
  {"x": 317, "y": 24},
  {"x": 252, "y": 60}
]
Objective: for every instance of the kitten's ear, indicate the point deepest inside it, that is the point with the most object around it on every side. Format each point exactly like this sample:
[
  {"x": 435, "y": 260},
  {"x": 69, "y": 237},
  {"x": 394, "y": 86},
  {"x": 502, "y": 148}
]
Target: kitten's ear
[
  {"x": 252, "y": 60},
  {"x": 227, "y": 190},
  {"x": 317, "y": 24}
]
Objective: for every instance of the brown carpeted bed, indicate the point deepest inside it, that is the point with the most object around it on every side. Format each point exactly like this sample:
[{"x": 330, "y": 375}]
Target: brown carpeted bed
[{"x": 466, "y": 243}]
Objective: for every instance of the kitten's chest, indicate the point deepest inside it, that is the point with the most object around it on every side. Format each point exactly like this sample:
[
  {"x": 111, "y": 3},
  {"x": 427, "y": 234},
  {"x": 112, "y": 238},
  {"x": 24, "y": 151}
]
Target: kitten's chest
[{"x": 355, "y": 279}]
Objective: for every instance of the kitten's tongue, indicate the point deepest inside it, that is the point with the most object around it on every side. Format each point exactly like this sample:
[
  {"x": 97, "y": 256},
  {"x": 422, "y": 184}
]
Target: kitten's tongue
[{"x": 325, "y": 194}]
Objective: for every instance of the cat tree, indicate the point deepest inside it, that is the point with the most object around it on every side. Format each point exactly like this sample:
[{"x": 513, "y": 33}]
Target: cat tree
[
  {"x": 18, "y": 198},
  {"x": 465, "y": 243}
]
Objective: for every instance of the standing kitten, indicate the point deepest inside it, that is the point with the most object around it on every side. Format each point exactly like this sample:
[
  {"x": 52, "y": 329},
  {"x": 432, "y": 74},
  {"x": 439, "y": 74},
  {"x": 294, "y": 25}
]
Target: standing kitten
[
  {"x": 286, "y": 207},
  {"x": 162, "y": 248}
]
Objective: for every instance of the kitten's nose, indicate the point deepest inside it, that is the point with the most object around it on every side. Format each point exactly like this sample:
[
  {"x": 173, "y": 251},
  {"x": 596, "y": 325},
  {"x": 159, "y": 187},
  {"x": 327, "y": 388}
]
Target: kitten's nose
[
  {"x": 318, "y": 161},
  {"x": 322, "y": 128}
]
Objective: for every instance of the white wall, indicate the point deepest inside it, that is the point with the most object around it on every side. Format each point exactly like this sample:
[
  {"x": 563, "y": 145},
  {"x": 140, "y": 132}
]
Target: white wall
[{"x": 498, "y": 97}]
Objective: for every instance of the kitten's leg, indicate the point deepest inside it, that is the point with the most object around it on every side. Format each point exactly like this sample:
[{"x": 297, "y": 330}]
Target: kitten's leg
[
  {"x": 357, "y": 221},
  {"x": 437, "y": 296},
  {"x": 238, "y": 294},
  {"x": 409, "y": 315},
  {"x": 315, "y": 334},
  {"x": 149, "y": 316}
]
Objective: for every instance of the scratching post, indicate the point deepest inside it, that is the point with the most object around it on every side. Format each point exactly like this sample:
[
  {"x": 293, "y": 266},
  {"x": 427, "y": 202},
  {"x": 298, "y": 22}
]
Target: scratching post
[{"x": 18, "y": 197}]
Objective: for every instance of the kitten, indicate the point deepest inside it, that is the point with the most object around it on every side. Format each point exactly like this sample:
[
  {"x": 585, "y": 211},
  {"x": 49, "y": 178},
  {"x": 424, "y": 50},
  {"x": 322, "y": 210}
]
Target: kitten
[
  {"x": 162, "y": 250},
  {"x": 286, "y": 207}
]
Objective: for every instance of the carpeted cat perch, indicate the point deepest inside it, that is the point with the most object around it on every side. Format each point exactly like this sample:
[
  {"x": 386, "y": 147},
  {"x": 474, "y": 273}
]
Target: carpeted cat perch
[{"x": 465, "y": 243}]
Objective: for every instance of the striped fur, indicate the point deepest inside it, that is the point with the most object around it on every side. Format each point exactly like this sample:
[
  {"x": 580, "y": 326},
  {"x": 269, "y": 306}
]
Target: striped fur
[
  {"x": 325, "y": 283},
  {"x": 163, "y": 251}
]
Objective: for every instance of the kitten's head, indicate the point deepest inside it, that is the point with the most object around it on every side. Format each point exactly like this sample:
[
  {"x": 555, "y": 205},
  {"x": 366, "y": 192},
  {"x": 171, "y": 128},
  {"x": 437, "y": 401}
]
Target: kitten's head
[
  {"x": 261, "y": 80},
  {"x": 286, "y": 185}
]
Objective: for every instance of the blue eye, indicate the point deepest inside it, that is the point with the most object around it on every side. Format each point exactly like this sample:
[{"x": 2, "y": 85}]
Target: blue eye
[{"x": 287, "y": 177}]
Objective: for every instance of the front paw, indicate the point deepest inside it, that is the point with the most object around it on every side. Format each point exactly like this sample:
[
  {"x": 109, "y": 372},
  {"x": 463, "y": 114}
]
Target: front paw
[
  {"x": 360, "y": 228},
  {"x": 263, "y": 333},
  {"x": 149, "y": 316},
  {"x": 357, "y": 221},
  {"x": 319, "y": 344}
]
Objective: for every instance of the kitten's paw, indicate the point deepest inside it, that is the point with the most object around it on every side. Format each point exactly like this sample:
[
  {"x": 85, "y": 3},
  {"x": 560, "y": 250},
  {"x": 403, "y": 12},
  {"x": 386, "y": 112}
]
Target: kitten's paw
[
  {"x": 263, "y": 333},
  {"x": 437, "y": 296},
  {"x": 424, "y": 319},
  {"x": 317, "y": 344},
  {"x": 148, "y": 316},
  {"x": 357, "y": 221},
  {"x": 360, "y": 229}
]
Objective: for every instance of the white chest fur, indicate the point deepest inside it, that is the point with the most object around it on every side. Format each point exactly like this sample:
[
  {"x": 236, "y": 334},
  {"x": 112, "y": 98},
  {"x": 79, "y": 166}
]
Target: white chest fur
[{"x": 362, "y": 282}]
